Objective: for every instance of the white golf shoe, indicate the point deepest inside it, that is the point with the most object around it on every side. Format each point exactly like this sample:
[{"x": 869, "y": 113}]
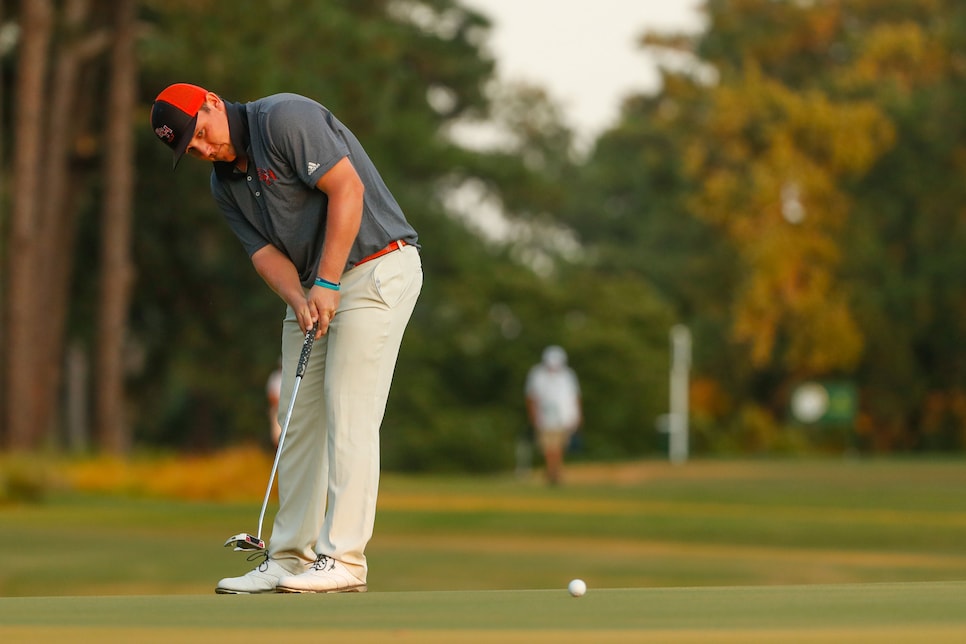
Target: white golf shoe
[
  {"x": 326, "y": 575},
  {"x": 263, "y": 579}
]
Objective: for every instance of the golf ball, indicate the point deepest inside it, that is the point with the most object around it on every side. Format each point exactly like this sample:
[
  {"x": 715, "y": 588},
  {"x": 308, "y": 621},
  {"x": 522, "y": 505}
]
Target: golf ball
[{"x": 577, "y": 587}]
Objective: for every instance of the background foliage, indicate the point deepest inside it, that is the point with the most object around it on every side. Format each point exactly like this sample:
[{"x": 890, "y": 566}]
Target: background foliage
[{"x": 793, "y": 193}]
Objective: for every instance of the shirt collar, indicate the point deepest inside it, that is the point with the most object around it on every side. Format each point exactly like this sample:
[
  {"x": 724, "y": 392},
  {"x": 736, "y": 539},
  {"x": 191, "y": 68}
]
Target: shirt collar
[{"x": 240, "y": 139}]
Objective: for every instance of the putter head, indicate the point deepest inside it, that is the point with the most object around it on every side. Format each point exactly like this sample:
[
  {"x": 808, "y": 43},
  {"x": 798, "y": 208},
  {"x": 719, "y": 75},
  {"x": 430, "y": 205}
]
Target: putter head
[{"x": 245, "y": 542}]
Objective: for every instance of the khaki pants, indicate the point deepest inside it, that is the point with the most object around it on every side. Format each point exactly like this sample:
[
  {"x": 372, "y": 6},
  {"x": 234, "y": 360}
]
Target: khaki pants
[{"x": 328, "y": 471}]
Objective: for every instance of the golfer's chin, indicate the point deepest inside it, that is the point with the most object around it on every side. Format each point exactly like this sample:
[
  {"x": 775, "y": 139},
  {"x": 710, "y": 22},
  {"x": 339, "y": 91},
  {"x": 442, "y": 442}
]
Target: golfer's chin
[
  {"x": 215, "y": 157},
  {"x": 228, "y": 156},
  {"x": 223, "y": 154}
]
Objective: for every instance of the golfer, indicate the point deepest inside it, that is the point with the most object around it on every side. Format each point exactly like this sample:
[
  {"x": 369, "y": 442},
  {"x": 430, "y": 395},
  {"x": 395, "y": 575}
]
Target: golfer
[{"x": 324, "y": 232}]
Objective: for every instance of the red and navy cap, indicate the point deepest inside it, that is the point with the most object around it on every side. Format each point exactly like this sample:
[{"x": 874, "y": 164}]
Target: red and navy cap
[{"x": 175, "y": 114}]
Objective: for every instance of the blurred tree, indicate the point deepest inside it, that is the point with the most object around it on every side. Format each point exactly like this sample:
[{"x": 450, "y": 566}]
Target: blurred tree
[
  {"x": 809, "y": 138},
  {"x": 630, "y": 205},
  {"x": 908, "y": 230},
  {"x": 771, "y": 184},
  {"x": 22, "y": 383},
  {"x": 116, "y": 270},
  {"x": 57, "y": 133}
]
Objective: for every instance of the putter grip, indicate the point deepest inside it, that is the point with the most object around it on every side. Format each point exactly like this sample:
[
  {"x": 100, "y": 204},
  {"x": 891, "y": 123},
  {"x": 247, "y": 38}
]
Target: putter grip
[{"x": 306, "y": 350}]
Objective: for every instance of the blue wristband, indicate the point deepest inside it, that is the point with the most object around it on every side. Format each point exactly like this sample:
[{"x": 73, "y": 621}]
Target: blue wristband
[{"x": 324, "y": 283}]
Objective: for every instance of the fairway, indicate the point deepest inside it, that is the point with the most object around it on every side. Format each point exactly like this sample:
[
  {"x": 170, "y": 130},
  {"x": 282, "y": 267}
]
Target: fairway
[{"x": 715, "y": 551}]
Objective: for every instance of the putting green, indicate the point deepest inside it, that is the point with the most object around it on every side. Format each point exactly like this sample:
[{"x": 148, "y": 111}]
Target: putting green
[{"x": 821, "y": 613}]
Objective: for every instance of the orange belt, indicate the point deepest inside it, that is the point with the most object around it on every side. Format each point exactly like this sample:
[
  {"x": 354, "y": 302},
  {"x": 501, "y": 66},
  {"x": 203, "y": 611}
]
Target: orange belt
[{"x": 395, "y": 245}]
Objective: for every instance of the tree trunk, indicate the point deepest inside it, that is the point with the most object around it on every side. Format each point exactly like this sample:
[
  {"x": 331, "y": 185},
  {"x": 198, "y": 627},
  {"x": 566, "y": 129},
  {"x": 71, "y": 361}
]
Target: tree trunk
[
  {"x": 3, "y": 245},
  {"x": 58, "y": 221},
  {"x": 116, "y": 268},
  {"x": 24, "y": 285}
]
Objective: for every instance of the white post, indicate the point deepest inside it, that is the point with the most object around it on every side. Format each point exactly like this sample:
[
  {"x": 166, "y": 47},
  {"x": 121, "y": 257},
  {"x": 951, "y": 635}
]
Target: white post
[{"x": 680, "y": 366}]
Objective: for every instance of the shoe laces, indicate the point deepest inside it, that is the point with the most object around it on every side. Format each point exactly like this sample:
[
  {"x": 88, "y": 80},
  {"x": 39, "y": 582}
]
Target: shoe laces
[
  {"x": 324, "y": 563},
  {"x": 263, "y": 564}
]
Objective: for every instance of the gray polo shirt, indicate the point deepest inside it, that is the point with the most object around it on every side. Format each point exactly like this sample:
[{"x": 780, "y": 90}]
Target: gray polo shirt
[{"x": 291, "y": 141}]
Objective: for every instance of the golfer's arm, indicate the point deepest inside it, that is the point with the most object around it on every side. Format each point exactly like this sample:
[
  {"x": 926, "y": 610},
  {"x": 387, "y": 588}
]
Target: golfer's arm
[
  {"x": 280, "y": 274},
  {"x": 345, "y": 191}
]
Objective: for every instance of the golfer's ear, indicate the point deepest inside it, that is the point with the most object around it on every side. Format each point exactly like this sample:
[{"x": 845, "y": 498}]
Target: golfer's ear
[{"x": 214, "y": 101}]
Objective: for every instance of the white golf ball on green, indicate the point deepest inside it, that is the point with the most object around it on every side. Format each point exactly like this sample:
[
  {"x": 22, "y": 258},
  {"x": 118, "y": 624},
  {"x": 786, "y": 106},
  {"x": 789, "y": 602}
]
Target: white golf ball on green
[{"x": 577, "y": 587}]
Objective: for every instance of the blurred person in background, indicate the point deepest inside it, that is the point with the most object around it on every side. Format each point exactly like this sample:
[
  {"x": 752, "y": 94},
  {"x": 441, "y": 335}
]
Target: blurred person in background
[
  {"x": 273, "y": 391},
  {"x": 553, "y": 408}
]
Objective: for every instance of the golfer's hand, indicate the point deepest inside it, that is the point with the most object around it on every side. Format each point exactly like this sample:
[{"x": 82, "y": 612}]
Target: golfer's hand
[{"x": 323, "y": 303}]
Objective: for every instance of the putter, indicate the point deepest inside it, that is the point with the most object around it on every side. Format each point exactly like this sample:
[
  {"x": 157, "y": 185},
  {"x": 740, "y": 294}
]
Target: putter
[{"x": 244, "y": 541}]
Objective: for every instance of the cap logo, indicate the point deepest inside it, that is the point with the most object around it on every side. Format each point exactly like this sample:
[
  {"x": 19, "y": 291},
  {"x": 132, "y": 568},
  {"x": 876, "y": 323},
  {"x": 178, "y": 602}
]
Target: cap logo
[{"x": 165, "y": 133}]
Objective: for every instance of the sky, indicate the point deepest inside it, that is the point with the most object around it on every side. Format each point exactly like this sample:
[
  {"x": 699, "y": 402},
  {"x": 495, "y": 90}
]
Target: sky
[{"x": 583, "y": 52}]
